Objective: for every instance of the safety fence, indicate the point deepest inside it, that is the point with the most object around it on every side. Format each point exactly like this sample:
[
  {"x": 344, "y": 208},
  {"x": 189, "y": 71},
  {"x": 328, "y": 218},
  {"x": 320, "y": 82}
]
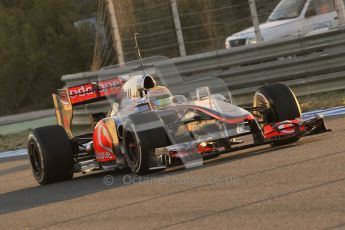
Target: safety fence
[{"x": 176, "y": 28}]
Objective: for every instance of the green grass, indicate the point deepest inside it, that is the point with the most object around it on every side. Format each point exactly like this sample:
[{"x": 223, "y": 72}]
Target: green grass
[
  {"x": 322, "y": 101},
  {"x": 18, "y": 140},
  {"x": 13, "y": 141}
]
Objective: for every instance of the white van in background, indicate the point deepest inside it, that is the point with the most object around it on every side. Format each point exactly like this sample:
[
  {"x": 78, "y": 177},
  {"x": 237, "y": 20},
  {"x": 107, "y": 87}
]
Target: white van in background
[{"x": 291, "y": 18}]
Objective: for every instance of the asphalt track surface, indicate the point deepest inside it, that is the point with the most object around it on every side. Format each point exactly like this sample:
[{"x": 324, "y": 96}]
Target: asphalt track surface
[{"x": 299, "y": 186}]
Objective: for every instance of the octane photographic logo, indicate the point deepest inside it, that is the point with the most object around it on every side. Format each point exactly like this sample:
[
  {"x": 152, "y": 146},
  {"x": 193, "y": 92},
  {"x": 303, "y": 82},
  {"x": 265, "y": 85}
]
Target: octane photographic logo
[
  {"x": 165, "y": 74},
  {"x": 110, "y": 180}
]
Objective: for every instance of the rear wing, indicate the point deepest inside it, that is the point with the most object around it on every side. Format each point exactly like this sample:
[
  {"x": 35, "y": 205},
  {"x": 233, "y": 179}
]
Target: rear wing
[{"x": 66, "y": 98}]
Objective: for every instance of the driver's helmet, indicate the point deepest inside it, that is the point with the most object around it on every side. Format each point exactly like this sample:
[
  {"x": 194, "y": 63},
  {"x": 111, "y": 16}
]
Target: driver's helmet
[{"x": 159, "y": 97}]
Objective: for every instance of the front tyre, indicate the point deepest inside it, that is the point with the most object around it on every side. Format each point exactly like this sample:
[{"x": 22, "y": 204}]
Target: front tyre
[
  {"x": 143, "y": 133},
  {"x": 50, "y": 154},
  {"x": 280, "y": 104}
]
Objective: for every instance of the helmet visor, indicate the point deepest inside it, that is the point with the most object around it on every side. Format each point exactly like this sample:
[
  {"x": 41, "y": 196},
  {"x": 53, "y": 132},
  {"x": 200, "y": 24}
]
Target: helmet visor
[{"x": 162, "y": 101}]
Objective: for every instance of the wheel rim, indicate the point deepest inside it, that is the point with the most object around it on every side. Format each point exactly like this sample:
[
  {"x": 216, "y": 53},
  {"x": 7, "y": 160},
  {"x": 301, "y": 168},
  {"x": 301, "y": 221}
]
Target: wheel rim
[
  {"x": 262, "y": 101},
  {"x": 35, "y": 159},
  {"x": 132, "y": 146}
]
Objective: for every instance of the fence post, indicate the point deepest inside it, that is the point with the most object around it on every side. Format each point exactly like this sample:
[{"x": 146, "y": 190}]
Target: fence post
[
  {"x": 339, "y": 4},
  {"x": 255, "y": 19},
  {"x": 116, "y": 32},
  {"x": 178, "y": 28}
]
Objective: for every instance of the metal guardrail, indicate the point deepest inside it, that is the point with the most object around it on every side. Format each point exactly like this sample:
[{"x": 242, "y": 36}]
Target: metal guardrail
[
  {"x": 79, "y": 78},
  {"x": 23, "y": 117},
  {"x": 309, "y": 65}
]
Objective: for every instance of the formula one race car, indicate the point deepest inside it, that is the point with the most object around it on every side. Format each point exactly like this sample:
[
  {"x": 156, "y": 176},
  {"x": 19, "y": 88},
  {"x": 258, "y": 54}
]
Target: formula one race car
[{"x": 151, "y": 128}]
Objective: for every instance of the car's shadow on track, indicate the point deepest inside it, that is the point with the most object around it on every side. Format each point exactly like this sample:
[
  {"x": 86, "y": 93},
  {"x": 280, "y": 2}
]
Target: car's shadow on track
[{"x": 93, "y": 183}]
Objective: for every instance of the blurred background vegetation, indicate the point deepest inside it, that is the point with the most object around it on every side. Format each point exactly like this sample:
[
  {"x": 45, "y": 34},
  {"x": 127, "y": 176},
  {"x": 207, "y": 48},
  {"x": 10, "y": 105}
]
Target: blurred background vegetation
[{"x": 38, "y": 44}]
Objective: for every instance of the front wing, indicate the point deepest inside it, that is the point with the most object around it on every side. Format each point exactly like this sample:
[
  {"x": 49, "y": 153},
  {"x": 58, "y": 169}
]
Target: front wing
[{"x": 271, "y": 133}]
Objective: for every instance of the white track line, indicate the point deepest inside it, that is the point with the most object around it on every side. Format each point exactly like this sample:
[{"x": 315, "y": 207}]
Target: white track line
[{"x": 20, "y": 152}]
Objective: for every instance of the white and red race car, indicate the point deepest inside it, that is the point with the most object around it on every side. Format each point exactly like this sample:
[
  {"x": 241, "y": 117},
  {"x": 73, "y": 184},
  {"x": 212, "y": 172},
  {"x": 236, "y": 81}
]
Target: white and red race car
[{"x": 152, "y": 127}]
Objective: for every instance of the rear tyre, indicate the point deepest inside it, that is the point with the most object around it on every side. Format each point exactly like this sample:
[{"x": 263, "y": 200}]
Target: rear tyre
[
  {"x": 50, "y": 154},
  {"x": 143, "y": 133},
  {"x": 281, "y": 104}
]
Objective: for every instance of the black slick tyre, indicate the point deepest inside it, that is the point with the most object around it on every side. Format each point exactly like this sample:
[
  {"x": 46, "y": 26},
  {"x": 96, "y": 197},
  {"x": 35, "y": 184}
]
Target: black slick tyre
[
  {"x": 143, "y": 133},
  {"x": 50, "y": 154},
  {"x": 281, "y": 105}
]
